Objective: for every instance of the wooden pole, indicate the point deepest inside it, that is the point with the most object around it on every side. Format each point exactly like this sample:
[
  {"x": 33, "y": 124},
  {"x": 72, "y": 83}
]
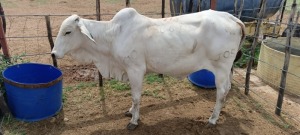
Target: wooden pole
[
  {"x": 128, "y": 3},
  {"x": 2, "y": 34},
  {"x": 98, "y": 14},
  {"x": 256, "y": 35},
  {"x": 241, "y": 9},
  {"x": 295, "y": 26},
  {"x": 4, "y": 110},
  {"x": 162, "y": 16},
  {"x": 3, "y": 17},
  {"x": 163, "y": 2},
  {"x": 49, "y": 33},
  {"x": 213, "y": 4},
  {"x": 285, "y": 68},
  {"x": 3, "y": 42},
  {"x": 172, "y": 9},
  {"x": 277, "y": 17},
  {"x": 282, "y": 12},
  {"x": 199, "y": 6},
  {"x": 235, "y": 7}
]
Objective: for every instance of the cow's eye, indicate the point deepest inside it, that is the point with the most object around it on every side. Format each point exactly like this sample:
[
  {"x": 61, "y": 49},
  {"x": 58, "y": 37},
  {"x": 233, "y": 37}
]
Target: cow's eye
[{"x": 68, "y": 32}]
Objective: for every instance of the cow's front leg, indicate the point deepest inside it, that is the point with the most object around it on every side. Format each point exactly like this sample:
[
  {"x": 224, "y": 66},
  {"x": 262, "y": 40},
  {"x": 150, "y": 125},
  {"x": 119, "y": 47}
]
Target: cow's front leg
[
  {"x": 223, "y": 84},
  {"x": 136, "y": 81}
]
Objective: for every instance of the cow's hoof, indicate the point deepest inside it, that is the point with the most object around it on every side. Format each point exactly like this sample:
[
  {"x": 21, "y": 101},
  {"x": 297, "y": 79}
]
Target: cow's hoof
[
  {"x": 128, "y": 114},
  {"x": 209, "y": 125},
  {"x": 131, "y": 126}
]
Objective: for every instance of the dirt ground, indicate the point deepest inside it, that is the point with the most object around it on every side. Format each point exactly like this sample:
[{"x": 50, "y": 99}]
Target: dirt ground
[{"x": 175, "y": 107}]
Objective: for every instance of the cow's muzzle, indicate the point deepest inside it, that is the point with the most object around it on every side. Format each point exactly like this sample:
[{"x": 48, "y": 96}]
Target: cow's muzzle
[{"x": 54, "y": 54}]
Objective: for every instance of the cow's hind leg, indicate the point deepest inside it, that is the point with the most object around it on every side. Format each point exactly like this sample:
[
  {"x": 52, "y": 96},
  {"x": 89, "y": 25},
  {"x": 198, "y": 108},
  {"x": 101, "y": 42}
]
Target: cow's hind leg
[
  {"x": 136, "y": 80},
  {"x": 223, "y": 84}
]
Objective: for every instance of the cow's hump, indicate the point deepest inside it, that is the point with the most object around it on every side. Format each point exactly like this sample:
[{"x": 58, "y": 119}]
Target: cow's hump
[{"x": 125, "y": 15}]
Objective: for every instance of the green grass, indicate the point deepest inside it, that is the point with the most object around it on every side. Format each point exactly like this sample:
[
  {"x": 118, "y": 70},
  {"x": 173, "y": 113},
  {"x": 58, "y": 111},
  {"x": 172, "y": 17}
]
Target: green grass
[
  {"x": 84, "y": 85},
  {"x": 4, "y": 63},
  {"x": 80, "y": 86},
  {"x": 154, "y": 93},
  {"x": 14, "y": 128},
  {"x": 102, "y": 93},
  {"x": 153, "y": 78},
  {"x": 68, "y": 88},
  {"x": 119, "y": 86}
]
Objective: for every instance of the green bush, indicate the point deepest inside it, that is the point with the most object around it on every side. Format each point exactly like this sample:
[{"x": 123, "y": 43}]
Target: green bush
[
  {"x": 4, "y": 63},
  {"x": 246, "y": 50}
]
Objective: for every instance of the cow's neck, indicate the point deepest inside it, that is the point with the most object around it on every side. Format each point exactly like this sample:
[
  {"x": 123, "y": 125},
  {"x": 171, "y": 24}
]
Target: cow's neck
[{"x": 103, "y": 33}]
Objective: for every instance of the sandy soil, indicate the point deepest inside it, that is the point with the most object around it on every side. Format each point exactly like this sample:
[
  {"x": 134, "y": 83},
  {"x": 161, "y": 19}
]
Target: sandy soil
[{"x": 174, "y": 108}]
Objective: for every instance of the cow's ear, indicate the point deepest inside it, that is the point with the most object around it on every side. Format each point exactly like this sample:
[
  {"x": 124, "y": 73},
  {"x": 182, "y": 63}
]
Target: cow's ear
[{"x": 83, "y": 29}]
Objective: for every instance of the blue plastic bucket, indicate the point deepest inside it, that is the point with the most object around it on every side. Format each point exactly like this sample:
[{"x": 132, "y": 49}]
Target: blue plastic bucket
[
  {"x": 34, "y": 91},
  {"x": 203, "y": 78}
]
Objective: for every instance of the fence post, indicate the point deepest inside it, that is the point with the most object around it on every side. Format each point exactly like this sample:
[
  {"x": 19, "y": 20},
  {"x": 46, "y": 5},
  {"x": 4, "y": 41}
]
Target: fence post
[
  {"x": 49, "y": 33},
  {"x": 3, "y": 42},
  {"x": 281, "y": 12},
  {"x": 98, "y": 14},
  {"x": 163, "y": 8},
  {"x": 172, "y": 9},
  {"x": 238, "y": 14},
  {"x": 235, "y": 7},
  {"x": 256, "y": 35},
  {"x": 285, "y": 68},
  {"x": 241, "y": 9},
  {"x": 4, "y": 110},
  {"x": 3, "y": 18},
  {"x": 162, "y": 16},
  {"x": 127, "y": 3}
]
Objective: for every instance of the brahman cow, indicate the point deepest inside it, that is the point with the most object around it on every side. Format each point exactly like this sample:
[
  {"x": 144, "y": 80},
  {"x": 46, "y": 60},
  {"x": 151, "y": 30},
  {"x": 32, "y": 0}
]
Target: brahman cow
[{"x": 131, "y": 45}]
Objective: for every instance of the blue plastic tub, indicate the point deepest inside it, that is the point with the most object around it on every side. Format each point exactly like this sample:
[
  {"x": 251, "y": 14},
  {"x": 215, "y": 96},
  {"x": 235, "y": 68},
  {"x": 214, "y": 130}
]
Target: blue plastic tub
[
  {"x": 34, "y": 91},
  {"x": 203, "y": 78},
  {"x": 249, "y": 13}
]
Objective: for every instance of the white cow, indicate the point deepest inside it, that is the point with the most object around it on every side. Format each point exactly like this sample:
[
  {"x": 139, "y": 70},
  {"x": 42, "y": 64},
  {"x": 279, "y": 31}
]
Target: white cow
[{"x": 131, "y": 45}]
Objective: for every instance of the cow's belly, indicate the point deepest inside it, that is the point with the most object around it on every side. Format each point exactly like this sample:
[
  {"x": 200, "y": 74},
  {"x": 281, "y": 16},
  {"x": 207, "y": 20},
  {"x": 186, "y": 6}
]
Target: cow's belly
[{"x": 175, "y": 65}]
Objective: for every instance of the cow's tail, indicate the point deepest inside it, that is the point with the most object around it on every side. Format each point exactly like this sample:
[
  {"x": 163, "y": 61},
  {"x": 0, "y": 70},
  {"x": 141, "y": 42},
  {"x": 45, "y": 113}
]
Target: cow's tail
[{"x": 241, "y": 24}]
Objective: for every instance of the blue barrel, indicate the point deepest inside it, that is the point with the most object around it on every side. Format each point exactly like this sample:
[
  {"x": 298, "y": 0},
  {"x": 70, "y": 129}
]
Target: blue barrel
[
  {"x": 203, "y": 78},
  {"x": 249, "y": 13},
  {"x": 34, "y": 91},
  {"x": 250, "y": 8}
]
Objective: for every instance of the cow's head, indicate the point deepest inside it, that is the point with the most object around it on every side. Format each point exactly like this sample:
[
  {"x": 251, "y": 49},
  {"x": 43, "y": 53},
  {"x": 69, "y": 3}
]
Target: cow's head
[{"x": 72, "y": 35}]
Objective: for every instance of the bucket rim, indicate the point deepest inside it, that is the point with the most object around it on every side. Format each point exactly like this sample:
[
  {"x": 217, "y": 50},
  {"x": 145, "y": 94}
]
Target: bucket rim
[{"x": 32, "y": 86}]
